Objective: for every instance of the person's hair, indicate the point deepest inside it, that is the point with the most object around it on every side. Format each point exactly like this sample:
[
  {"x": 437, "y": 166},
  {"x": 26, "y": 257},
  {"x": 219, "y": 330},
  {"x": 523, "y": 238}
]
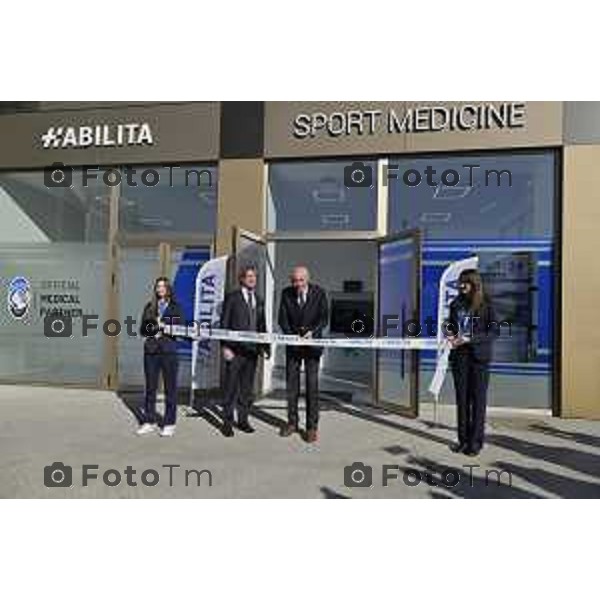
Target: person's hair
[
  {"x": 477, "y": 297},
  {"x": 301, "y": 268},
  {"x": 170, "y": 295},
  {"x": 244, "y": 271}
]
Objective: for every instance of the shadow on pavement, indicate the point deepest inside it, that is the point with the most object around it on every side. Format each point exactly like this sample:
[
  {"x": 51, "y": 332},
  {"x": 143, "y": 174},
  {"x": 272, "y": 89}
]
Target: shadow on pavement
[
  {"x": 571, "y": 436},
  {"x": 331, "y": 494},
  {"x": 559, "y": 485},
  {"x": 577, "y": 460},
  {"x": 477, "y": 482}
]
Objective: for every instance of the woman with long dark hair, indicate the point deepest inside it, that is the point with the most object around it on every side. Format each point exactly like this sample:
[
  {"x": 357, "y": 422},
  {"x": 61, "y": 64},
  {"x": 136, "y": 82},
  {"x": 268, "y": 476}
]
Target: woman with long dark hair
[
  {"x": 160, "y": 356},
  {"x": 474, "y": 328}
]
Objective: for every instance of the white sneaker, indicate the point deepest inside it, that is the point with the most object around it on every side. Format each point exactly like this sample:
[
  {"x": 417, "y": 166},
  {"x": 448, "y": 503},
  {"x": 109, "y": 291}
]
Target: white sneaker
[
  {"x": 146, "y": 428},
  {"x": 167, "y": 431}
]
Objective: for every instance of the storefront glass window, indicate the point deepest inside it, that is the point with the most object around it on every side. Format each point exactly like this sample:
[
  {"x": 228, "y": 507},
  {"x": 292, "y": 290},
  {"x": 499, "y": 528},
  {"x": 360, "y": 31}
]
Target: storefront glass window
[
  {"x": 314, "y": 196},
  {"x": 168, "y": 199},
  {"x": 53, "y": 256},
  {"x": 509, "y": 225}
]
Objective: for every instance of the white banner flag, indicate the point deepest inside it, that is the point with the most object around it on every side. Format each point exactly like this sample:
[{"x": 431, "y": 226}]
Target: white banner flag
[
  {"x": 448, "y": 291},
  {"x": 208, "y": 299}
]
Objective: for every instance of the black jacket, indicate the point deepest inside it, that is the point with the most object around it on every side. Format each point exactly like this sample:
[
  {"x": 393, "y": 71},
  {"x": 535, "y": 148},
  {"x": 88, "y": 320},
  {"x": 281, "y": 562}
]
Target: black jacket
[
  {"x": 164, "y": 344},
  {"x": 313, "y": 316},
  {"x": 235, "y": 315},
  {"x": 483, "y": 329}
]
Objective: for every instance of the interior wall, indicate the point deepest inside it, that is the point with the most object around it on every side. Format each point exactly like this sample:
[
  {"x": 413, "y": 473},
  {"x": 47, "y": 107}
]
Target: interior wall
[{"x": 330, "y": 264}]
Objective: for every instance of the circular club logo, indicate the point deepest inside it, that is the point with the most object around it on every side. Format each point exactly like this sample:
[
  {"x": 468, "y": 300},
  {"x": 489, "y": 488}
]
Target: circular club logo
[{"x": 19, "y": 297}]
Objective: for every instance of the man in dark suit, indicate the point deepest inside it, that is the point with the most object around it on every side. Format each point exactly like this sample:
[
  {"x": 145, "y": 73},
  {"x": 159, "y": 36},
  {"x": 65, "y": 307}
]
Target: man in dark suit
[
  {"x": 242, "y": 310},
  {"x": 303, "y": 311}
]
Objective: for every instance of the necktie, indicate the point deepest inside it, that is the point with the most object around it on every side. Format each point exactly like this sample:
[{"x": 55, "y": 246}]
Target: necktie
[{"x": 252, "y": 310}]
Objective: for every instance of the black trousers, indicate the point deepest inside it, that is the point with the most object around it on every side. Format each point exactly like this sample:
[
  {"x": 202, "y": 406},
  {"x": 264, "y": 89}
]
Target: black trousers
[
  {"x": 311, "y": 367},
  {"x": 471, "y": 378},
  {"x": 238, "y": 387},
  {"x": 154, "y": 365}
]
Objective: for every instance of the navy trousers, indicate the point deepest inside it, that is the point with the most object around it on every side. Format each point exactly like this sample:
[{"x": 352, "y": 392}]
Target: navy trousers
[
  {"x": 154, "y": 365},
  {"x": 471, "y": 378}
]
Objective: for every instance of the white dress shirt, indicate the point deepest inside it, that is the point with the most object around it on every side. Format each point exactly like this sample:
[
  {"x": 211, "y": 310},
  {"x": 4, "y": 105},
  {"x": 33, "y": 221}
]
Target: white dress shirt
[
  {"x": 302, "y": 297},
  {"x": 249, "y": 297}
]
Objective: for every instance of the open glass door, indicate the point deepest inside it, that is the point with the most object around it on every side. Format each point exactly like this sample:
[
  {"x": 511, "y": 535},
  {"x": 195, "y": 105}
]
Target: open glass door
[
  {"x": 250, "y": 249},
  {"x": 398, "y": 295}
]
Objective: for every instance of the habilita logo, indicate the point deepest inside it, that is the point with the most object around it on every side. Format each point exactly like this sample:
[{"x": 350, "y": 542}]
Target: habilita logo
[
  {"x": 19, "y": 297},
  {"x": 98, "y": 136}
]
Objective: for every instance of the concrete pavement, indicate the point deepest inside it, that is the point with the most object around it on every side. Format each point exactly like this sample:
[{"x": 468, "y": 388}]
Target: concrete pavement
[{"x": 546, "y": 457}]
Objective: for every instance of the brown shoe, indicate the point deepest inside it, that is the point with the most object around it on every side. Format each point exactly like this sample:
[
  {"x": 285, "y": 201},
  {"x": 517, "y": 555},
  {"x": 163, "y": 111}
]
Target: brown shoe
[
  {"x": 288, "y": 430},
  {"x": 312, "y": 436}
]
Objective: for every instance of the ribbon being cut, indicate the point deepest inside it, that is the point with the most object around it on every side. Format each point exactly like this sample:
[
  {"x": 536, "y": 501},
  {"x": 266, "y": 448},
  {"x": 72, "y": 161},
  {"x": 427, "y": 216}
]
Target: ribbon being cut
[
  {"x": 195, "y": 332},
  {"x": 202, "y": 333},
  {"x": 210, "y": 286}
]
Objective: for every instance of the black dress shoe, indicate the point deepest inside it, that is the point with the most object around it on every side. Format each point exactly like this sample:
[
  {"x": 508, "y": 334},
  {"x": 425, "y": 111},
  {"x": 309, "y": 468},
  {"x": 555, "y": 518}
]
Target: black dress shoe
[
  {"x": 288, "y": 430},
  {"x": 312, "y": 436},
  {"x": 458, "y": 448},
  {"x": 246, "y": 427},
  {"x": 227, "y": 430},
  {"x": 472, "y": 451}
]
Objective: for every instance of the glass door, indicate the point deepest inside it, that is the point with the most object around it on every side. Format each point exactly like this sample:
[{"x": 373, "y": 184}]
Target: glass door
[
  {"x": 139, "y": 266},
  {"x": 250, "y": 249},
  {"x": 398, "y": 293},
  {"x": 182, "y": 263}
]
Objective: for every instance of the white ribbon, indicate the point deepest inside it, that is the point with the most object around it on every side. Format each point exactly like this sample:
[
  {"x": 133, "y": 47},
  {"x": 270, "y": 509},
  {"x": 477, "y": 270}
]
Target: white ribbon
[{"x": 386, "y": 343}]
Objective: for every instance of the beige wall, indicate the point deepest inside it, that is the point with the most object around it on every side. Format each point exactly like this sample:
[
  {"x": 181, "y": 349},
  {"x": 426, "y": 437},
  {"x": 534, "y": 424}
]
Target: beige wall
[
  {"x": 181, "y": 133},
  {"x": 581, "y": 283},
  {"x": 241, "y": 199},
  {"x": 543, "y": 126}
]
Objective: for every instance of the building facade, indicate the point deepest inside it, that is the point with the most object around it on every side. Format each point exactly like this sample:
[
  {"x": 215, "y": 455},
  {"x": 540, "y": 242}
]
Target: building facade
[{"x": 97, "y": 199}]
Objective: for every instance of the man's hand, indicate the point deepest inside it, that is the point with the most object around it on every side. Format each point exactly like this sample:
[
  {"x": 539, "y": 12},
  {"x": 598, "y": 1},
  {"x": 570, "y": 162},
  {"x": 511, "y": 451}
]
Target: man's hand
[
  {"x": 228, "y": 354},
  {"x": 267, "y": 353},
  {"x": 456, "y": 341},
  {"x": 307, "y": 335}
]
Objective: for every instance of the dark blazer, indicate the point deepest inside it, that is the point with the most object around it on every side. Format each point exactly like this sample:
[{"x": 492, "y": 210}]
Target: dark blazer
[
  {"x": 483, "y": 331},
  {"x": 313, "y": 316},
  {"x": 235, "y": 315},
  {"x": 164, "y": 344}
]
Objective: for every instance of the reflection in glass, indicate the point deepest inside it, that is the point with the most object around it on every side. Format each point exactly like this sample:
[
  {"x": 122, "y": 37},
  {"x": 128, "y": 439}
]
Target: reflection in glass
[
  {"x": 53, "y": 237},
  {"x": 510, "y": 227},
  {"x": 314, "y": 196},
  {"x": 183, "y": 200}
]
